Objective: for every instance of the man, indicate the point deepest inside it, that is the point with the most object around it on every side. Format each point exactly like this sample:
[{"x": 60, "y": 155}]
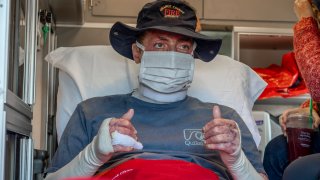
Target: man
[{"x": 158, "y": 121}]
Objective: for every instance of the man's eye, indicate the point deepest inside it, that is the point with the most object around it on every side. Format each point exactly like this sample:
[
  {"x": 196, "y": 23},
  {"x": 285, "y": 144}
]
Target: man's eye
[
  {"x": 184, "y": 47},
  {"x": 159, "y": 45}
]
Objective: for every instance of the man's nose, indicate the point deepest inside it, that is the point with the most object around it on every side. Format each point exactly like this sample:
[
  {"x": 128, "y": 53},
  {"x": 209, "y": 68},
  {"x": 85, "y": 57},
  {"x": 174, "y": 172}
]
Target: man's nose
[{"x": 172, "y": 47}]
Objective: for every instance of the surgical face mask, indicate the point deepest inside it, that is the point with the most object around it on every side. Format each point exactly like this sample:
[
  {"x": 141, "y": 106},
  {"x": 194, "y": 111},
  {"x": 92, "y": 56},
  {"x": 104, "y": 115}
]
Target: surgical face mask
[{"x": 166, "y": 71}]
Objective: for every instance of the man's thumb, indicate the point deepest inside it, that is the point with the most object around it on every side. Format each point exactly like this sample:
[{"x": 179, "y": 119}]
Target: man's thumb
[
  {"x": 128, "y": 115},
  {"x": 216, "y": 112}
]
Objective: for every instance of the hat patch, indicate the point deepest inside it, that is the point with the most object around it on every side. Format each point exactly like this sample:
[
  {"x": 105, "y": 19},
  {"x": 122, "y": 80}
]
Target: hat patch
[{"x": 170, "y": 11}]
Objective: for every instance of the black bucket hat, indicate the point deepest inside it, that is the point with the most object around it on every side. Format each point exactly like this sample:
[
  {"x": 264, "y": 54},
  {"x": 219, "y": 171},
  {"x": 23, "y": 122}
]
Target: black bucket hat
[{"x": 167, "y": 15}]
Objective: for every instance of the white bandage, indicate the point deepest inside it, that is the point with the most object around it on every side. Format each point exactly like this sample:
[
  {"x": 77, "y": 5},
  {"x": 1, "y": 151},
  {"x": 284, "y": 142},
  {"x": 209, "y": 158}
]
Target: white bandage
[
  {"x": 125, "y": 140},
  {"x": 88, "y": 161},
  {"x": 242, "y": 169}
]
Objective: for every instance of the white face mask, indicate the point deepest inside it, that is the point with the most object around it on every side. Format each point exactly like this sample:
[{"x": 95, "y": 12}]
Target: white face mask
[{"x": 166, "y": 71}]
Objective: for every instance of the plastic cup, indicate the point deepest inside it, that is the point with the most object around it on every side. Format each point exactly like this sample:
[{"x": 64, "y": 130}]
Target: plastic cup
[{"x": 299, "y": 135}]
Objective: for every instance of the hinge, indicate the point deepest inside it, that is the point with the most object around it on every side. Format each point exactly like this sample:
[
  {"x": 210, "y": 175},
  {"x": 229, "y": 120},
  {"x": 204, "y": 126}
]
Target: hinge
[{"x": 91, "y": 4}]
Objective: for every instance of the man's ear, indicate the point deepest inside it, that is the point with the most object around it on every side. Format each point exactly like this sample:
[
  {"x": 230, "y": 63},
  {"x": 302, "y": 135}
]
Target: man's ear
[{"x": 136, "y": 53}]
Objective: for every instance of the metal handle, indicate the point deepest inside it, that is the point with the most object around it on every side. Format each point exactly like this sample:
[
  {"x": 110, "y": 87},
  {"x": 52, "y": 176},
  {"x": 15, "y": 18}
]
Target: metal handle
[
  {"x": 23, "y": 158},
  {"x": 30, "y": 55},
  {"x": 26, "y": 159},
  {"x": 30, "y": 159}
]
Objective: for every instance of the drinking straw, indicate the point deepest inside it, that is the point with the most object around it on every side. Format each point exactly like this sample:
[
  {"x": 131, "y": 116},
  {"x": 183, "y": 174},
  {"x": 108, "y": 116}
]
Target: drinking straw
[{"x": 310, "y": 112}]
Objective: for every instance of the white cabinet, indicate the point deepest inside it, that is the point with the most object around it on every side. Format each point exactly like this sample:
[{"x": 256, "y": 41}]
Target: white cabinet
[
  {"x": 125, "y": 8},
  {"x": 249, "y": 10},
  {"x": 261, "y": 47},
  {"x": 273, "y": 13},
  {"x": 117, "y": 7}
]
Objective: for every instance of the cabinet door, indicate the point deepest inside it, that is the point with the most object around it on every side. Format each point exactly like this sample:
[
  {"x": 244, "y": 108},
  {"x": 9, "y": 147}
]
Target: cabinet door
[
  {"x": 129, "y": 8},
  {"x": 250, "y": 10}
]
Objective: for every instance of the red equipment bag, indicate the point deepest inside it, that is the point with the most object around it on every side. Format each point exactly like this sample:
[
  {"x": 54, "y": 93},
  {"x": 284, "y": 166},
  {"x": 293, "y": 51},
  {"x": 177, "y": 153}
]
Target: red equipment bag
[{"x": 283, "y": 81}]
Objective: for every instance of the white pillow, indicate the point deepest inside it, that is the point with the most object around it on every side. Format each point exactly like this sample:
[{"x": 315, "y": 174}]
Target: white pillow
[
  {"x": 67, "y": 99},
  {"x": 100, "y": 71},
  {"x": 231, "y": 83}
]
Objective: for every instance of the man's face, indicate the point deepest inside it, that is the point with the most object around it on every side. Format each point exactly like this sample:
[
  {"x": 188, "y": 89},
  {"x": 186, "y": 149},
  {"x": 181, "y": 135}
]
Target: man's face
[{"x": 156, "y": 40}]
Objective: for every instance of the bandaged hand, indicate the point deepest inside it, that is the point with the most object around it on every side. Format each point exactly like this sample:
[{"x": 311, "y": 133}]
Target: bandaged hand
[
  {"x": 103, "y": 140},
  {"x": 125, "y": 140},
  {"x": 123, "y": 133},
  {"x": 224, "y": 135},
  {"x": 108, "y": 140}
]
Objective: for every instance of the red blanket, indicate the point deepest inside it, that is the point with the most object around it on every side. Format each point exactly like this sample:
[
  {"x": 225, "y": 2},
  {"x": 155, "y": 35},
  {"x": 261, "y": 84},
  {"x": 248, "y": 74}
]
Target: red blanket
[{"x": 137, "y": 169}]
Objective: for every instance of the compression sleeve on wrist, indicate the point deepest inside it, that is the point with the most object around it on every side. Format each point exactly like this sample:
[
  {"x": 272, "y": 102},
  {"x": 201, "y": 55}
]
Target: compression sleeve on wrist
[
  {"x": 238, "y": 164},
  {"x": 242, "y": 169}
]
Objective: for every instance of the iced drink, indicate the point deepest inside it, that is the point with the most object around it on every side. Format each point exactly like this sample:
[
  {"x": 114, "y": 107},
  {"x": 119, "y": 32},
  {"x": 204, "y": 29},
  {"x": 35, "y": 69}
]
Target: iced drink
[{"x": 300, "y": 135}]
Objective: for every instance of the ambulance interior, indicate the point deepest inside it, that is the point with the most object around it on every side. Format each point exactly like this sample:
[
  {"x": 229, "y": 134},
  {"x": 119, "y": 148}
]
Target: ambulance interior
[{"x": 44, "y": 50}]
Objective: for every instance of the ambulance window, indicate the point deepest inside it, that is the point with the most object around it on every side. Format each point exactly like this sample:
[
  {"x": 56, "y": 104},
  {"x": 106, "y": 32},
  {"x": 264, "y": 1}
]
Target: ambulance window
[{"x": 16, "y": 47}]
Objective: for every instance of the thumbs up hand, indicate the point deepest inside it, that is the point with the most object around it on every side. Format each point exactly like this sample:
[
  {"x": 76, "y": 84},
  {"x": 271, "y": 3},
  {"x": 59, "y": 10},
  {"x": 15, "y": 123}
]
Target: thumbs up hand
[
  {"x": 123, "y": 125},
  {"x": 222, "y": 134},
  {"x": 123, "y": 133},
  {"x": 103, "y": 146}
]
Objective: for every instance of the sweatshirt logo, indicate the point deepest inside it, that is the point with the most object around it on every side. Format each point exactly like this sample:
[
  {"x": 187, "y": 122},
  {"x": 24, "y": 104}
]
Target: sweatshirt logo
[{"x": 193, "y": 137}]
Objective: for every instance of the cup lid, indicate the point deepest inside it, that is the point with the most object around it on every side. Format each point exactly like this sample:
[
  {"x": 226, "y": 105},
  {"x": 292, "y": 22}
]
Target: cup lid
[{"x": 299, "y": 120}]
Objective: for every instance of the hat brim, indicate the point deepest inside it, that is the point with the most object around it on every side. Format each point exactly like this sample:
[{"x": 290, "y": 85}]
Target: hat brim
[
  {"x": 123, "y": 36},
  {"x": 317, "y": 3}
]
